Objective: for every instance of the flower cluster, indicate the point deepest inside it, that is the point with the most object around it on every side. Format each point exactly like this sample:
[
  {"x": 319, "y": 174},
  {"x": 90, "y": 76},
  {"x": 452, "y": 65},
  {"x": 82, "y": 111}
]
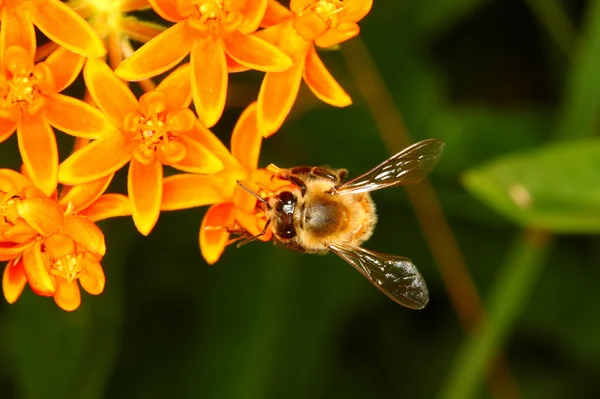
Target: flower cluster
[{"x": 47, "y": 233}]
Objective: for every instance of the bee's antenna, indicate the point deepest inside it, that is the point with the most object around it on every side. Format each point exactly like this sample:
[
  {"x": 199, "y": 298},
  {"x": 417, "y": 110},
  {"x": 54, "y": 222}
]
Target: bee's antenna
[
  {"x": 258, "y": 197},
  {"x": 250, "y": 239}
]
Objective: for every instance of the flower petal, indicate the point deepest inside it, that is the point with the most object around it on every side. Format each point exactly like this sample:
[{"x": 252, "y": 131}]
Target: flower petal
[
  {"x": 17, "y": 31},
  {"x": 85, "y": 233},
  {"x": 16, "y": 234},
  {"x": 108, "y": 206},
  {"x": 12, "y": 181},
  {"x": 96, "y": 160},
  {"x": 275, "y": 34},
  {"x": 158, "y": 55},
  {"x": 213, "y": 231},
  {"x": 44, "y": 50},
  {"x": 275, "y": 14},
  {"x": 92, "y": 279},
  {"x": 198, "y": 159},
  {"x": 67, "y": 296},
  {"x": 253, "y": 225},
  {"x": 343, "y": 32},
  {"x": 297, "y": 6},
  {"x": 12, "y": 251},
  {"x": 36, "y": 267},
  {"x": 58, "y": 245},
  {"x": 132, "y": 5},
  {"x": 76, "y": 117},
  {"x": 214, "y": 145},
  {"x": 13, "y": 280},
  {"x": 166, "y": 9},
  {"x": 355, "y": 10},
  {"x": 310, "y": 26},
  {"x": 189, "y": 191},
  {"x": 109, "y": 92},
  {"x": 44, "y": 215},
  {"x": 276, "y": 97},
  {"x": 246, "y": 140},
  {"x": 209, "y": 80},
  {"x": 322, "y": 84},
  {"x": 242, "y": 199},
  {"x": 37, "y": 145},
  {"x": 82, "y": 195},
  {"x": 144, "y": 184},
  {"x": 63, "y": 26},
  {"x": 65, "y": 66},
  {"x": 7, "y": 128},
  {"x": 140, "y": 31},
  {"x": 177, "y": 86},
  {"x": 254, "y": 11},
  {"x": 256, "y": 53},
  {"x": 233, "y": 66}
]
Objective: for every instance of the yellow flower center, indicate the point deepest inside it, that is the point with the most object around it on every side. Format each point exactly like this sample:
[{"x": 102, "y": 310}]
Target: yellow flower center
[
  {"x": 67, "y": 266},
  {"x": 64, "y": 259},
  {"x": 156, "y": 131},
  {"x": 211, "y": 16},
  {"x": 23, "y": 84},
  {"x": 210, "y": 10},
  {"x": 104, "y": 15},
  {"x": 328, "y": 10}
]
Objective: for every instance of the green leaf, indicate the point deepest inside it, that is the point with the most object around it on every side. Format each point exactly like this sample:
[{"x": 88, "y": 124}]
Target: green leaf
[{"x": 556, "y": 188}]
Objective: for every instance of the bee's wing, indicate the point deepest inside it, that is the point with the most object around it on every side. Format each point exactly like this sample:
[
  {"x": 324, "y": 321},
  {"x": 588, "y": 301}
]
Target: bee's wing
[
  {"x": 408, "y": 166},
  {"x": 395, "y": 276}
]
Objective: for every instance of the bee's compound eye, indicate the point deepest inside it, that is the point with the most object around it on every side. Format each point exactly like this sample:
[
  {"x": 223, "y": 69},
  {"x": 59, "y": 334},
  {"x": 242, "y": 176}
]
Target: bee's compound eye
[
  {"x": 287, "y": 232},
  {"x": 287, "y": 198}
]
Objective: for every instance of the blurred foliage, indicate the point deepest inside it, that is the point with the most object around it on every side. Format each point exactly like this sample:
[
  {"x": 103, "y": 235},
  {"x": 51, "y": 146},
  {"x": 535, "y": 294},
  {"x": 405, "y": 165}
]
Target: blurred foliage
[
  {"x": 513, "y": 87},
  {"x": 544, "y": 189}
]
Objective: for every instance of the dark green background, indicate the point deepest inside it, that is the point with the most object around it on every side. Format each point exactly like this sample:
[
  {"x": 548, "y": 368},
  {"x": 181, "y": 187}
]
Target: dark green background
[{"x": 491, "y": 78}]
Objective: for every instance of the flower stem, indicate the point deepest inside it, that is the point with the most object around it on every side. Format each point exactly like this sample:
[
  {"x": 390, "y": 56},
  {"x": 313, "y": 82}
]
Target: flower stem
[
  {"x": 556, "y": 21},
  {"x": 510, "y": 292}
]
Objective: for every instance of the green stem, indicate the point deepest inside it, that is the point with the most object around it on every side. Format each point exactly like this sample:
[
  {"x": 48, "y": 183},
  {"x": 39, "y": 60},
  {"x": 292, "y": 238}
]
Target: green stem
[
  {"x": 510, "y": 292},
  {"x": 579, "y": 115},
  {"x": 556, "y": 21}
]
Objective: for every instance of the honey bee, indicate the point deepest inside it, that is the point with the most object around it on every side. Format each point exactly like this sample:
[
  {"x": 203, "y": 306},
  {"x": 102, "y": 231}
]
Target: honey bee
[{"x": 319, "y": 212}]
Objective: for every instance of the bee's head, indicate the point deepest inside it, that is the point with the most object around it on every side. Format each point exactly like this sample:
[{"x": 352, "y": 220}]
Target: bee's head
[
  {"x": 284, "y": 205},
  {"x": 280, "y": 210}
]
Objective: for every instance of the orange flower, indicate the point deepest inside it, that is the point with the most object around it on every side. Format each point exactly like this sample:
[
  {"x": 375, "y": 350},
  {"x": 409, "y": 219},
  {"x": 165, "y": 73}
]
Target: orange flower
[
  {"x": 30, "y": 103},
  {"x": 212, "y": 31},
  {"x": 49, "y": 243},
  {"x": 158, "y": 130},
  {"x": 321, "y": 22},
  {"x": 235, "y": 208},
  {"x": 25, "y": 212},
  {"x": 329, "y": 22},
  {"x": 55, "y": 19}
]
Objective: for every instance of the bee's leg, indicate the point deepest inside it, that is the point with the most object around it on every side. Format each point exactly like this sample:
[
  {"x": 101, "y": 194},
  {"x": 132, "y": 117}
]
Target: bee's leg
[
  {"x": 291, "y": 175},
  {"x": 250, "y": 239},
  {"x": 297, "y": 181},
  {"x": 238, "y": 230}
]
